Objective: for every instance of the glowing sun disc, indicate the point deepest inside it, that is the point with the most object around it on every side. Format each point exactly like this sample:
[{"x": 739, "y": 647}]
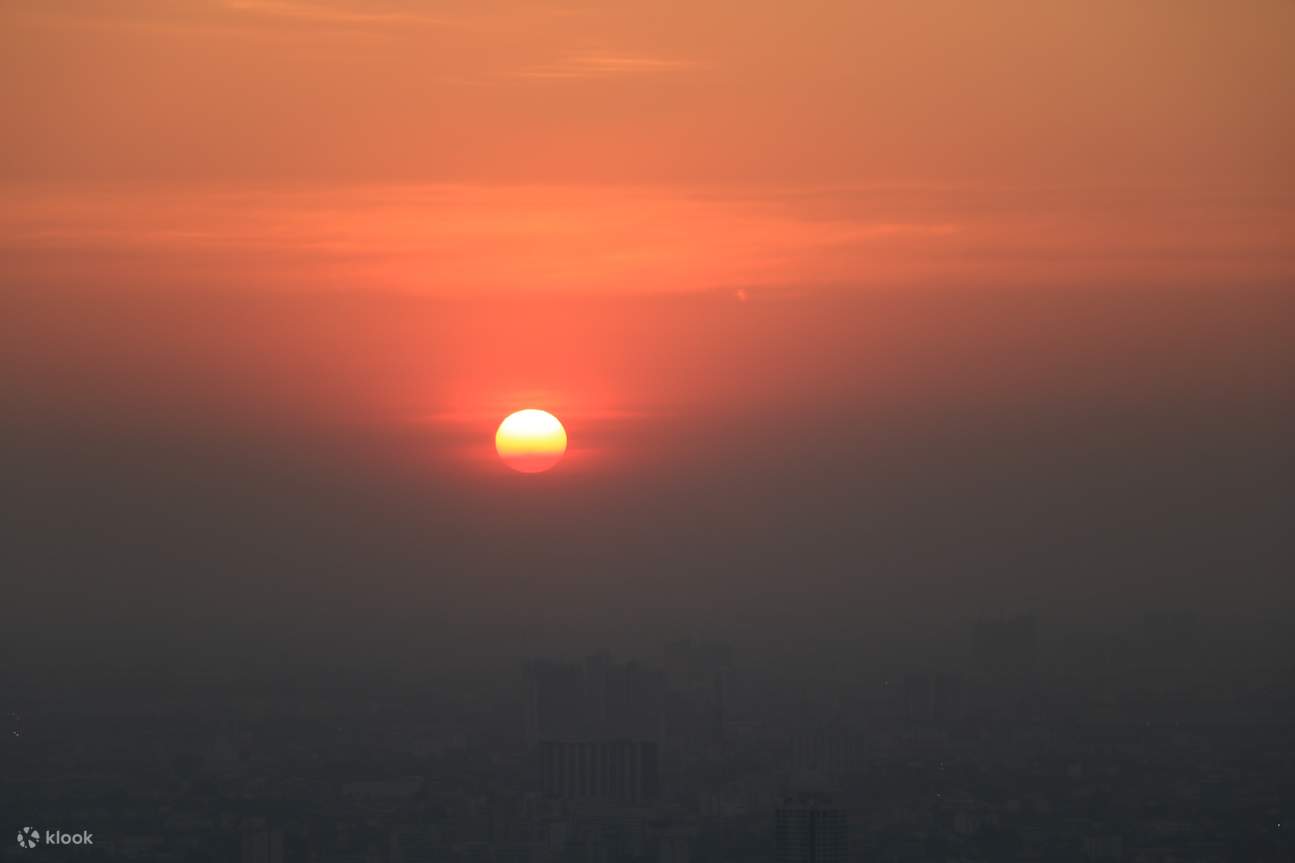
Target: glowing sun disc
[{"x": 530, "y": 441}]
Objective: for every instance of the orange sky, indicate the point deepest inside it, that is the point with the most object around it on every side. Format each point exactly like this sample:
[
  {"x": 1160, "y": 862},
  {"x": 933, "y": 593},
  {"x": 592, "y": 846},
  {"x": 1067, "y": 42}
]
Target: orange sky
[
  {"x": 612, "y": 163},
  {"x": 533, "y": 146},
  {"x": 929, "y": 94}
]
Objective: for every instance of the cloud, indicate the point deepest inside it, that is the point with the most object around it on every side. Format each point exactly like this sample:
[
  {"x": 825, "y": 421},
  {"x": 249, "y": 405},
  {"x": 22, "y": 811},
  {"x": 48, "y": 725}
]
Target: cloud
[
  {"x": 279, "y": 18},
  {"x": 450, "y": 238},
  {"x": 585, "y": 65},
  {"x": 487, "y": 239},
  {"x": 338, "y": 15}
]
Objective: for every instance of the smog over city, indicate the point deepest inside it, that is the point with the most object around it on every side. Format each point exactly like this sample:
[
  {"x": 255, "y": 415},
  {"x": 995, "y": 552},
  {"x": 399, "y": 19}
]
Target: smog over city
[{"x": 518, "y": 431}]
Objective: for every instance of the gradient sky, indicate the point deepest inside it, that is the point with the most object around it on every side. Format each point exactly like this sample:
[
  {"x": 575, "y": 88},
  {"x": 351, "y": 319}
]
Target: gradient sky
[
  {"x": 453, "y": 147},
  {"x": 940, "y": 307}
]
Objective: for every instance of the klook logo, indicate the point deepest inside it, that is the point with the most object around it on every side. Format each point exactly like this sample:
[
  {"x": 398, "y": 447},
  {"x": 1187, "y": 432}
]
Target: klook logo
[{"x": 30, "y": 837}]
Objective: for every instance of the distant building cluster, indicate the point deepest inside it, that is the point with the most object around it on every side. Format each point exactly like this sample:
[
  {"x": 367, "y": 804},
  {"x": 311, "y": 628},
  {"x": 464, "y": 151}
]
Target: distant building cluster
[{"x": 1016, "y": 748}]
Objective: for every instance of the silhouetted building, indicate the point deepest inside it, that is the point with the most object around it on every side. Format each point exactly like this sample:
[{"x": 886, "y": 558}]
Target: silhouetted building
[
  {"x": 555, "y": 700},
  {"x": 828, "y": 749},
  {"x": 700, "y": 676},
  {"x": 926, "y": 696},
  {"x": 616, "y": 771},
  {"x": 596, "y": 699},
  {"x": 626, "y": 699},
  {"x": 261, "y": 842},
  {"x": 809, "y": 829}
]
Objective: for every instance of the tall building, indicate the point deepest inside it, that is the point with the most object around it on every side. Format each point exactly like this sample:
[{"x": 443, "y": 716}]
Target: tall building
[
  {"x": 700, "y": 676},
  {"x": 597, "y": 699},
  {"x": 925, "y": 696},
  {"x": 1006, "y": 651},
  {"x": 555, "y": 701},
  {"x": 261, "y": 842},
  {"x": 613, "y": 771},
  {"x": 827, "y": 749},
  {"x": 809, "y": 829}
]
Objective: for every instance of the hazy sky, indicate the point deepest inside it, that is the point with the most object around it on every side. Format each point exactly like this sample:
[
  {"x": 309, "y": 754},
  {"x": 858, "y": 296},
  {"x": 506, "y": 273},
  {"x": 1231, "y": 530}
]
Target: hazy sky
[
  {"x": 633, "y": 146},
  {"x": 848, "y": 307}
]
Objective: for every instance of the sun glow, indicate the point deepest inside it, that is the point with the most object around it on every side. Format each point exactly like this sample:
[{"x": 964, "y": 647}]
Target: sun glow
[{"x": 531, "y": 441}]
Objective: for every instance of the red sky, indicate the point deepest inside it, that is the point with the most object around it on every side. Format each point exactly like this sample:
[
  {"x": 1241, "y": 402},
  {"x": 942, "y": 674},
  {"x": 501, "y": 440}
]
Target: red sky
[
  {"x": 772, "y": 234},
  {"x": 477, "y": 153}
]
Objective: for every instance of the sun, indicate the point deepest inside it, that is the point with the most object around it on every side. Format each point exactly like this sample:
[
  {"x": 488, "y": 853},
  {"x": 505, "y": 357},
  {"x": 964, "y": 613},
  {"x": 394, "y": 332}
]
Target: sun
[{"x": 531, "y": 441}]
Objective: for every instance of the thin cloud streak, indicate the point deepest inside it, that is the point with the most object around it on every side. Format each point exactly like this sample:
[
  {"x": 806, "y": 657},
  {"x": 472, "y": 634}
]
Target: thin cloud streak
[
  {"x": 179, "y": 26},
  {"x": 595, "y": 65},
  {"x": 438, "y": 238},
  {"x": 278, "y": 19},
  {"x": 481, "y": 238},
  {"x": 316, "y": 13}
]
